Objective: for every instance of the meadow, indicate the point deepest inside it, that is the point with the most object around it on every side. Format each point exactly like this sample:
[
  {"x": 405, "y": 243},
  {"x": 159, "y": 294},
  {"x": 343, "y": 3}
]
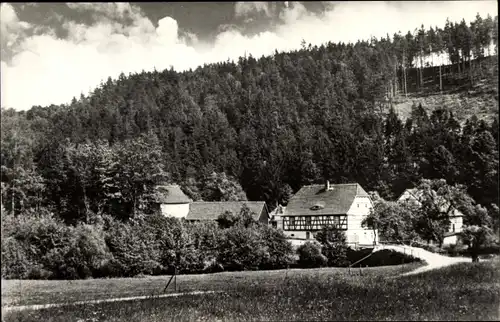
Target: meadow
[{"x": 467, "y": 291}]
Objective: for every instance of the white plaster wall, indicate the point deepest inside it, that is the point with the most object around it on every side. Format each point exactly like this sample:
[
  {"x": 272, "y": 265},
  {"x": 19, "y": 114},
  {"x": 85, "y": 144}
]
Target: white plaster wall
[
  {"x": 360, "y": 208},
  {"x": 298, "y": 234},
  {"x": 458, "y": 221},
  {"x": 175, "y": 210},
  {"x": 450, "y": 240},
  {"x": 361, "y": 236},
  {"x": 279, "y": 221}
]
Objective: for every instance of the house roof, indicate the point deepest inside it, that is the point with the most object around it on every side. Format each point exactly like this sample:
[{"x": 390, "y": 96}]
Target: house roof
[
  {"x": 171, "y": 194},
  {"x": 336, "y": 201},
  {"x": 202, "y": 210},
  {"x": 418, "y": 194}
]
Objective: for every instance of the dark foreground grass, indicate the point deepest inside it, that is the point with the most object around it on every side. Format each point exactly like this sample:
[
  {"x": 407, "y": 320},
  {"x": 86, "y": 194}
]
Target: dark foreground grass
[{"x": 467, "y": 291}]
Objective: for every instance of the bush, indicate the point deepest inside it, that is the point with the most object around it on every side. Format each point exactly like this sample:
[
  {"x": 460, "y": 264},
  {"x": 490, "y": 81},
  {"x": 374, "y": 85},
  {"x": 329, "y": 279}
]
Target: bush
[
  {"x": 428, "y": 247},
  {"x": 87, "y": 253},
  {"x": 334, "y": 246},
  {"x": 15, "y": 261},
  {"x": 227, "y": 220},
  {"x": 383, "y": 257},
  {"x": 242, "y": 249},
  {"x": 32, "y": 240},
  {"x": 310, "y": 255},
  {"x": 205, "y": 236},
  {"x": 136, "y": 248},
  {"x": 279, "y": 248},
  {"x": 454, "y": 249}
]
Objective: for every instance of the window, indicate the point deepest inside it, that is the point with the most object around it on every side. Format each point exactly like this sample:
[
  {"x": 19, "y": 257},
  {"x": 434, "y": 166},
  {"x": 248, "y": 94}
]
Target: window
[
  {"x": 453, "y": 229},
  {"x": 308, "y": 221},
  {"x": 274, "y": 224},
  {"x": 308, "y": 235}
]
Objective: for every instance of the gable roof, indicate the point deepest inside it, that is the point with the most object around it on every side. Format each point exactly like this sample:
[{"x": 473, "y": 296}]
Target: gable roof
[
  {"x": 202, "y": 210},
  {"x": 416, "y": 195},
  {"x": 336, "y": 201},
  {"x": 171, "y": 194}
]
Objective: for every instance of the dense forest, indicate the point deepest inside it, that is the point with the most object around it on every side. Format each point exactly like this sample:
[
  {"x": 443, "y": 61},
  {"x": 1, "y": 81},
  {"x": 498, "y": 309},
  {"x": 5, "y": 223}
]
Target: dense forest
[{"x": 267, "y": 125}]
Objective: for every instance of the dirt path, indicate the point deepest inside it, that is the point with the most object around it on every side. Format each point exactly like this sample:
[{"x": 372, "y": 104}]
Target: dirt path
[
  {"x": 434, "y": 261},
  {"x": 119, "y": 299}
]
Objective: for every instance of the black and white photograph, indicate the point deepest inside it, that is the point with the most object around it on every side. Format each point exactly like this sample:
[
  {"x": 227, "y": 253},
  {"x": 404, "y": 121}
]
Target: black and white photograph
[{"x": 250, "y": 161}]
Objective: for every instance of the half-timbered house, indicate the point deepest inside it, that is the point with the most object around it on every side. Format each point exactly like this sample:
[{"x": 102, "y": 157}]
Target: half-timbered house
[{"x": 340, "y": 205}]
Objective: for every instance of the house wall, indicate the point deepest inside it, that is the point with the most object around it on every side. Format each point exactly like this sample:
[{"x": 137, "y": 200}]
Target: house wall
[
  {"x": 356, "y": 233},
  {"x": 279, "y": 221},
  {"x": 175, "y": 210},
  {"x": 299, "y": 234},
  {"x": 359, "y": 236},
  {"x": 450, "y": 240},
  {"x": 456, "y": 224},
  {"x": 360, "y": 208}
]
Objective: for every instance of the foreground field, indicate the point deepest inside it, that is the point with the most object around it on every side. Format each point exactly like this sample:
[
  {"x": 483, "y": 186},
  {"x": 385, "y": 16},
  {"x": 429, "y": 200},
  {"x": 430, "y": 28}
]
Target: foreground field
[
  {"x": 466, "y": 291},
  {"x": 29, "y": 292}
]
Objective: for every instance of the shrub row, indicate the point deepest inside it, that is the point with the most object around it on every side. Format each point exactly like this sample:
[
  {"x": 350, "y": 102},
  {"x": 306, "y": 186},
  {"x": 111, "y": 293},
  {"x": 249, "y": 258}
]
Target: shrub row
[{"x": 38, "y": 246}]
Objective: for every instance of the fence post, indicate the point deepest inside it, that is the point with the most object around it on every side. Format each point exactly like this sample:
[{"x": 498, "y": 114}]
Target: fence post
[{"x": 175, "y": 278}]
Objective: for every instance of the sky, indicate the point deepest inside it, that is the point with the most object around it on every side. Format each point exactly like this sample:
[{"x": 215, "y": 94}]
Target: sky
[{"x": 52, "y": 52}]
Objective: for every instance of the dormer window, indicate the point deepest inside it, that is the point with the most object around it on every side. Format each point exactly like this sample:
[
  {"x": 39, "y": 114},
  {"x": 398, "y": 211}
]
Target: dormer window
[{"x": 317, "y": 207}]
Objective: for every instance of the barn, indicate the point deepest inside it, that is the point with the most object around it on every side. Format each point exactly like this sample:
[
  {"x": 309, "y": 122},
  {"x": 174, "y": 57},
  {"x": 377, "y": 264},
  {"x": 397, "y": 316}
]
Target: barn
[{"x": 172, "y": 202}]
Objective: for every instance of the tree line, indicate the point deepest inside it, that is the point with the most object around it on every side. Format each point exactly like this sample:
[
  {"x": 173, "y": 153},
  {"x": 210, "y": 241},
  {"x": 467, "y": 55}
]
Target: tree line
[
  {"x": 272, "y": 124},
  {"x": 255, "y": 129}
]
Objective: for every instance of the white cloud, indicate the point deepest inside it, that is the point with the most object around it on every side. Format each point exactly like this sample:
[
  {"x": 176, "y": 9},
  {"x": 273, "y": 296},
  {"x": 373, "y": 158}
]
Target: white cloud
[
  {"x": 243, "y": 8},
  {"x": 11, "y": 29},
  {"x": 47, "y": 70}
]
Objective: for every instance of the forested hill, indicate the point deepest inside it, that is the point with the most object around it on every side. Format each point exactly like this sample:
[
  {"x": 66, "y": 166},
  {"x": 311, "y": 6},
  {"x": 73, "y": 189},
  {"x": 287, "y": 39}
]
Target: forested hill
[{"x": 273, "y": 124}]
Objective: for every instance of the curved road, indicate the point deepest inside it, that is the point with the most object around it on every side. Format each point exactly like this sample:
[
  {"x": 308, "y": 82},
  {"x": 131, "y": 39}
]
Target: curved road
[{"x": 433, "y": 260}]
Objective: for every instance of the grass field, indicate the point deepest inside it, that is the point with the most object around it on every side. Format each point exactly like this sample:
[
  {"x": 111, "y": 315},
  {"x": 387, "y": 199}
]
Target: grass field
[
  {"x": 29, "y": 292},
  {"x": 468, "y": 291}
]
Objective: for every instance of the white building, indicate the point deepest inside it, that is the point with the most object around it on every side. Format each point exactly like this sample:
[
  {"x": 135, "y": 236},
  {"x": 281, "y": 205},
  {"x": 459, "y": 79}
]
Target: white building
[
  {"x": 456, "y": 217},
  {"x": 315, "y": 206},
  {"x": 172, "y": 202}
]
